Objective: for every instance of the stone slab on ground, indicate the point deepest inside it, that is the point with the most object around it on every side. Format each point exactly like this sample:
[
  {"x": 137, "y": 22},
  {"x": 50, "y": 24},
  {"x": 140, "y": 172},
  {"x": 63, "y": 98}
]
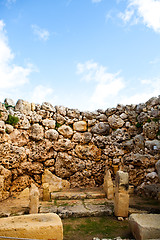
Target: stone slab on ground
[
  {"x": 34, "y": 226},
  {"x": 76, "y": 208},
  {"x": 77, "y": 194},
  {"x": 145, "y": 226}
]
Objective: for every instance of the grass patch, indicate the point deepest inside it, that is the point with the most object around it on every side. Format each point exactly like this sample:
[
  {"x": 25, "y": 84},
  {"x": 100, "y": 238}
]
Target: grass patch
[{"x": 102, "y": 227}]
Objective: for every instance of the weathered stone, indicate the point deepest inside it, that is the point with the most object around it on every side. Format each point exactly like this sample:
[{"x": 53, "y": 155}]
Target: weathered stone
[
  {"x": 55, "y": 183},
  {"x": 82, "y": 137},
  {"x": 101, "y": 128},
  {"x": 49, "y": 123},
  {"x": 61, "y": 110},
  {"x": 20, "y": 183},
  {"x": 145, "y": 226},
  {"x": 142, "y": 117},
  {"x": 115, "y": 121},
  {"x": 63, "y": 145},
  {"x": 9, "y": 128},
  {"x": 66, "y": 165},
  {"x": 2, "y": 127},
  {"x": 46, "y": 193},
  {"x": 66, "y": 131},
  {"x": 51, "y": 134},
  {"x": 139, "y": 143},
  {"x": 23, "y": 106},
  {"x": 34, "y": 199},
  {"x": 108, "y": 185},
  {"x": 158, "y": 168},
  {"x": 23, "y": 122},
  {"x": 80, "y": 126},
  {"x": 73, "y": 113},
  {"x": 121, "y": 199},
  {"x": 37, "y": 132},
  {"x": 150, "y": 130},
  {"x": 9, "y": 102},
  {"x": 48, "y": 107},
  {"x": 60, "y": 119},
  {"x": 32, "y": 167},
  {"x": 33, "y": 226},
  {"x": 90, "y": 152}
]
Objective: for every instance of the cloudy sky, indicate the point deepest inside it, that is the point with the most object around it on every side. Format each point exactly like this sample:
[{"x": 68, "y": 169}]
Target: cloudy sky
[{"x": 84, "y": 54}]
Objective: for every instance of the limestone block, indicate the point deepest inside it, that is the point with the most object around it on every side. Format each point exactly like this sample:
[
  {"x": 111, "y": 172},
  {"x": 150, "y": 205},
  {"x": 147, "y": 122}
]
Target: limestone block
[
  {"x": 2, "y": 127},
  {"x": 82, "y": 137},
  {"x": 33, "y": 106},
  {"x": 33, "y": 226},
  {"x": 90, "y": 152},
  {"x": 108, "y": 185},
  {"x": 1, "y": 186},
  {"x": 63, "y": 145},
  {"x": 48, "y": 107},
  {"x": 23, "y": 106},
  {"x": 101, "y": 128},
  {"x": 49, "y": 123},
  {"x": 9, "y": 128},
  {"x": 145, "y": 226},
  {"x": 9, "y": 101},
  {"x": 121, "y": 204},
  {"x": 37, "y": 132},
  {"x": 34, "y": 199},
  {"x": 66, "y": 131},
  {"x": 51, "y": 134},
  {"x": 46, "y": 193},
  {"x": 121, "y": 180},
  {"x": 61, "y": 110},
  {"x": 55, "y": 183},
  {"x": 80, "y": 126},
  {"x": 115, "y": 121},
  {"x": 150, "y": 130}
]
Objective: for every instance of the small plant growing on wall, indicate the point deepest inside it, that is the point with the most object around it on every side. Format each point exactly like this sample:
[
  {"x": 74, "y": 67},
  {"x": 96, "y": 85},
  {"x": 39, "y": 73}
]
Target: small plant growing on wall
[{"x": 12, "y": 120}]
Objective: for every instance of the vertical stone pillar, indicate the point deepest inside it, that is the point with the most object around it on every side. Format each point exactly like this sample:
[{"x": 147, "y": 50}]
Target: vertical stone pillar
[
  {"x": 46, "y": 193},
  {"x": 33, "y": 199},
  {"x": 121, "y": 200},
  {"x": 108, "y": 185},
  {"x": 1, "y": 187}
]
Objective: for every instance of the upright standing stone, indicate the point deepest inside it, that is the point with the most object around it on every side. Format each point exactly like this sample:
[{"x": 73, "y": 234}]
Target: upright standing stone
[
  {"x": 121, "y": 200},
  {"x": 108, "y": 185},
  {"x": 1, "y": 186},
  {"x": 46, "y": 193},
  {"x": 34, "y": 199}
]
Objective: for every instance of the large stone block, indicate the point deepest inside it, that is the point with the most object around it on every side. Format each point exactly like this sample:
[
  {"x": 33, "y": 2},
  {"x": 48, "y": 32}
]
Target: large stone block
[
  {"x": 33, "y": 226},
  {"x": 145, "y": 226},
  {"x": 121, "y": 204},
  {"x": 108, "y": 185},
  {"x": 80, "y": 126}
]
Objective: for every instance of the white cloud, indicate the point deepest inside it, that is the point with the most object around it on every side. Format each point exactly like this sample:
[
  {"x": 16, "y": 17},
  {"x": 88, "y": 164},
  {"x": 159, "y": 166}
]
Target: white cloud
[
  {"x": 11, "y": 75},
  {"x": 145, "y": 11},
  {"x": 147, "y": 88},
  {"x": 107, "y": 85},
  {"x": 41, "y": 94},
  {"x": 41, "y": 33}
]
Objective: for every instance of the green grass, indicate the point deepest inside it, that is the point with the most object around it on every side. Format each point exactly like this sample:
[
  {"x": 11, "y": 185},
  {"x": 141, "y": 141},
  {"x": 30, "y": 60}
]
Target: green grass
[{"x": 102, "y": 227}]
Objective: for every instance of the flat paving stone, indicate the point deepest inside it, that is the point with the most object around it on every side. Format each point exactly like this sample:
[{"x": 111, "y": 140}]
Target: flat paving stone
[{"x": 145, "y": 226}]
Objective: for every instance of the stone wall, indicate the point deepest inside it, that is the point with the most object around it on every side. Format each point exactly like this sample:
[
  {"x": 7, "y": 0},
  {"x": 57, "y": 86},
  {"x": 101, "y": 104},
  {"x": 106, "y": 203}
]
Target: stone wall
[{"x": 78, "y": 146}]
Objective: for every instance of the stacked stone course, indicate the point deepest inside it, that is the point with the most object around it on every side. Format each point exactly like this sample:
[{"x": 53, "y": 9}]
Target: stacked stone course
[{"x": 78, "y": 146}]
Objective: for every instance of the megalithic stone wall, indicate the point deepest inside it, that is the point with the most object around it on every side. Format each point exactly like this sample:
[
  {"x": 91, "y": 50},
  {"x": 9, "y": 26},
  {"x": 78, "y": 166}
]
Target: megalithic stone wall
[{"x": 76, "y": 146}]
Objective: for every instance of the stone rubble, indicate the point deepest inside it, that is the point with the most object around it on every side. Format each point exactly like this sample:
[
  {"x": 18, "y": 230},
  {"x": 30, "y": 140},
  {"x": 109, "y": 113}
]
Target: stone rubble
[{"x": 77, "y": 147}]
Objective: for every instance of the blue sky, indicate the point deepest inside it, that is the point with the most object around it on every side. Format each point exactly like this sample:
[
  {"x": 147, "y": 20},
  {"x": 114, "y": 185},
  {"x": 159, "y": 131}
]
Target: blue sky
[{"x": 85, "y": 54}]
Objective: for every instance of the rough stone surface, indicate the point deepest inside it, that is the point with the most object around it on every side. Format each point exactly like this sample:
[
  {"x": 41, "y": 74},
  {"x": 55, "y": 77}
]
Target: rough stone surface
[
  {"x": 145, "y": 226},
  {"x": 33, "y": 226},
  {"x": 79, "y": 146},
  {"x": 108, "y": 185},
  {"x": 66, "y": 131},
  {"x": 55, "y": 183},
  {"x": 34, "y": 199},
  {"x": 80, "y": 126}
]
